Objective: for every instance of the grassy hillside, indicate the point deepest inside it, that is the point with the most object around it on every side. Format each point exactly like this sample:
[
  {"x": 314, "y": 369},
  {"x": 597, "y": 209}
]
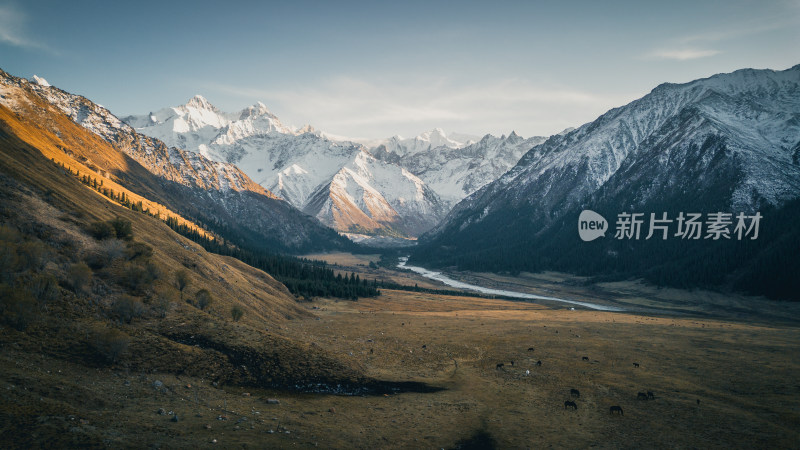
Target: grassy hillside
[{"x": 87, "y": 281}]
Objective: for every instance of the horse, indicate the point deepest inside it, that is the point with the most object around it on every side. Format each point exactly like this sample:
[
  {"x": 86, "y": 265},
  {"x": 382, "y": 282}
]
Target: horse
[
  {"x": 641, "y": 396},
  {"x": 574, "y": 392},
  {"x": 569, "y": 404},
  {"x": 585, "y": 358},
  {"x": 650, "y": 395},
  {"x": 500, "y": 365},
  {"x": 530, "y": 349},
  {"x": 616, "y": 409},
  {"x": 538, "y": 363},
  {"x": 635, "y": 364}
]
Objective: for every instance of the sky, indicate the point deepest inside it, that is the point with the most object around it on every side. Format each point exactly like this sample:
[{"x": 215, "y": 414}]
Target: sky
[{"x": 374, "y": 69}]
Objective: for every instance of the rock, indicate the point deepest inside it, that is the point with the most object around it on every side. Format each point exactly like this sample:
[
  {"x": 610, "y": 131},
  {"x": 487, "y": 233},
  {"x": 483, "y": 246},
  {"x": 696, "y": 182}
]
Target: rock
[
  {"x": 273, "y": 401},
  {"x": 207, "y": 426},
  {"x": 157, "y": 384},
  {"x": 246, "y": 394},
  {"x": 332, "y": 410},
  {"x": 213, "y": 441},
  {"x": 162, "y": 411}
]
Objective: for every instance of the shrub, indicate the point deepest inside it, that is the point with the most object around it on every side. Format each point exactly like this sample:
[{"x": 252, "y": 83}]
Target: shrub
[
  {"x": 114, "y": 249},
  {"x": 44, "y": 288},
  {"x": 139, "y": 250},
  {"x": 32, "y": 255},
  {"x": 102, "y": 230},
  {"x": 122, "y": 228},
  {"x": 135, "y": 278},
  {"x": 9, "y": 234},
  {"x": 182, "y": 281},
  {"x": 79, "y": 275},
  {"x": 127, "y": 308},
  {"x": 236, "y": 313},
  {"x": 17, "y": 307},
  {"x": 8, "y": 260},
  {"x": 110, "y": 343},
  {"x": 153, "y": 271},
  {"x": 110, "y": 250},
  {"x": 203, "y": 299},
  {"x": 162, "y": 304}
]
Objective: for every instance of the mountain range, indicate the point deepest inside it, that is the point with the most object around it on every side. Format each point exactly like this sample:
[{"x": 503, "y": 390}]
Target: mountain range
[
  {"x": 400, "y": 187},
  {"x": 729, "y": 143},
  {"x": 215, "y": 195}
]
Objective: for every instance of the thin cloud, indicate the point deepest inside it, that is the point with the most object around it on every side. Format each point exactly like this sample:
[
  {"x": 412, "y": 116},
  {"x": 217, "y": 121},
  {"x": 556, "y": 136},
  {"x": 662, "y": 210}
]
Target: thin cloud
[
  {"x": 12, "y": 30},
  {"x": 349, "y": 106},
  {"x": 683, "y": 54}
]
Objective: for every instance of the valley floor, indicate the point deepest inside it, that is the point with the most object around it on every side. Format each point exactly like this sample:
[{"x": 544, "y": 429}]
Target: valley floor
[{"x": 717, "y": 384}]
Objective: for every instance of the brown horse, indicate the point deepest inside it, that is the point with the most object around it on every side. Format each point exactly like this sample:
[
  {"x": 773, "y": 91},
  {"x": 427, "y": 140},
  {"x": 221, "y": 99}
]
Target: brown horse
[{"x": 617, "y": 410}]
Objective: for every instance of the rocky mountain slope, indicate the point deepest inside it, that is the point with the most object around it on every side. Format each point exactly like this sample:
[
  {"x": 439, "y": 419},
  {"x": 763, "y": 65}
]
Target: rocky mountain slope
[
  {"x": 345, "y": 185},
  {"x": 216, "y": 194},
  {"x": 728, "y": 143}
]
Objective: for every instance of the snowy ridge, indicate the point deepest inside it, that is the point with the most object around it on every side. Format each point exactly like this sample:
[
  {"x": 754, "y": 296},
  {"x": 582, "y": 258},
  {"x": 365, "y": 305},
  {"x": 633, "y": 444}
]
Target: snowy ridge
[
  {"x": 187, "y": 168},
  {"x": 456, "y": 172},
  {"x": 745, "y": 122},
  {"x": 338, "y": 181}
]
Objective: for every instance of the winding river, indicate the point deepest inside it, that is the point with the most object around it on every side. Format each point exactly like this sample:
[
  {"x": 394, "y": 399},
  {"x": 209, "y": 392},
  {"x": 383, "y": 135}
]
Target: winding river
[{"x": 438, "y": 276}]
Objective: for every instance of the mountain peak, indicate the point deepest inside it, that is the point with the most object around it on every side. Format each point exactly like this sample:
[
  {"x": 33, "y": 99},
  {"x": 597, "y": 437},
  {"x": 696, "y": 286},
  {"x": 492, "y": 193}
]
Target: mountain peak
[
  {"x": 200, "y": 102},
  {"x": 40, "y": 81},
  {"x": 256, "y": 110}
]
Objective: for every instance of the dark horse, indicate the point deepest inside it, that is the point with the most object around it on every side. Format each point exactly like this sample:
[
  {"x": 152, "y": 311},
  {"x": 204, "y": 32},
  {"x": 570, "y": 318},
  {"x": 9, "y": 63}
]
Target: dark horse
[
  {"x": 500, "y": 365},
  {"x": 641, "y": 396},
  {"x": 569, "y": 404},
  {"x": 585, "y": 358},
  {"x": 574, "y": 392},
  {"x": 650, "y": 395},
  {"x": 538, "y": 363},
  {"x": 616, "y": 409}
]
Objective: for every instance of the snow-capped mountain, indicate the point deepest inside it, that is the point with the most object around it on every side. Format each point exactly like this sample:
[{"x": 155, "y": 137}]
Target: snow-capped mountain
[
  {"x": 426, "y": 141},
  {"x": 187, "y": 182},
  {"x": 454, "y": 171},
  {"x": 727, "y": 143},
  {"x": 339, "y": 182}
]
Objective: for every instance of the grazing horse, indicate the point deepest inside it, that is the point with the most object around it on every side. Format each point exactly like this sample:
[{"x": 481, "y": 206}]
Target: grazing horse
[
  {"x": 585, "y": 358},
  {"x": 641, "y": 396},
  {"x": 616, "y": 409},
  {"x": 569, "y": 404},
  {"x": 538, "y": 363},
  {"x": 650, "y": 395},
  {"x": 574, "y": 392},
  {"x": 500, "y": 365},
  {"x": 635, "y": 364},
  {"x": 530, "y": 349}
]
